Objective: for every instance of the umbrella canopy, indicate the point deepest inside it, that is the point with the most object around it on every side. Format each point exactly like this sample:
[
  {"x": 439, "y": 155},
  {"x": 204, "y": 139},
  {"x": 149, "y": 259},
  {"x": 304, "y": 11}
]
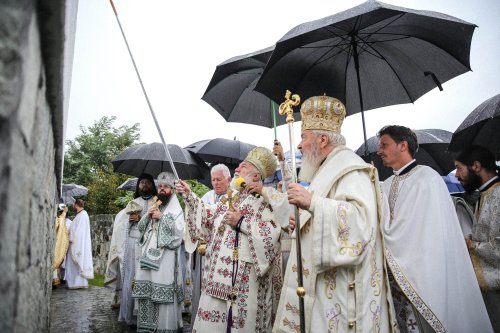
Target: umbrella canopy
[
  {"x": 432, "y": 151},
  {"x": 220, "y": 150},
  {"x": 69, "y": 191},
  {"x": 151, "y": 158},
  {"x": 231, "y": 90},
  {"x": 131, "y": 184},
  {"x": 370, "y": 56},
  {"x": 481, "y": 127}
]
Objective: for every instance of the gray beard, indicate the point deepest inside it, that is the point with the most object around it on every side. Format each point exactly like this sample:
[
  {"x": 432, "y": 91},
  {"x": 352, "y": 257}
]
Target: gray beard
[
  {"x": 310, "y": 164},
  {"x": 233, "y": 183}
]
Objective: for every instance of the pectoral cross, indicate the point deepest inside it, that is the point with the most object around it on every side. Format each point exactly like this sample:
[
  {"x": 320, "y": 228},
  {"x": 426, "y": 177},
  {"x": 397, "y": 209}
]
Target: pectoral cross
[
  {"x": 155, "y": 202},
  {"x": 229, "y": 200}
]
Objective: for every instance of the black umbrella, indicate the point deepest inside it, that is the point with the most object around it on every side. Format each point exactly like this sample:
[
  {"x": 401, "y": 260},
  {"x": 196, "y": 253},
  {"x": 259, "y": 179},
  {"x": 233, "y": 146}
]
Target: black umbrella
[
  {"x": 231, "y": 93},
  {"x": 151, "y": 158},
  {"x": 70, "y": 191},
  {"x": 370, "y": 56},
  {"x": 131, "y": 184},
  {"x": 432, "y": 151},
  {"x": 220, "y": 150},
  {"x": 481, "y": 127}
]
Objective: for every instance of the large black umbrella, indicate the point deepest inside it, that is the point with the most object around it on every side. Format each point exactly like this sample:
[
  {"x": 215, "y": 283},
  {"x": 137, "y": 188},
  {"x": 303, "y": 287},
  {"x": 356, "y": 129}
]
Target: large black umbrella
[
  {"x": 481, "y": 127},
  {"x": 231, "y": 91},
  {"x": 220, "y": 150},
  {"x": 151, "y": 158},
  {"x": 432, "y": 151},
  {"x": 370, "y": 56}
]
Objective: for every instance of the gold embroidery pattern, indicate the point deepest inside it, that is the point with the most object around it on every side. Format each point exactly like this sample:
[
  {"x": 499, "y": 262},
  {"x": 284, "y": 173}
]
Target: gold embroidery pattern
[
  {"x": 292, "y": 308},
  {"x": 375, "y": 310},
  {"x": 291, "y": 324},
  {"x": 343, "y": 229},
  {"x": 412, "y": 295},
  {"x": 330, "y": 282},
  {"x": 333, "y": 316},
  {"x": 375, "y": 273},
  {"x": 394, "y": 191},
  {"x": 305, "y": 271}
]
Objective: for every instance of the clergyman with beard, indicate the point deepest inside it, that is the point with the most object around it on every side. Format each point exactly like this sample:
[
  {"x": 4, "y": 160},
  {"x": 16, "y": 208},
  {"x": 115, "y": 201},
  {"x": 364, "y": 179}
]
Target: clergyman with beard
[
  {"x": 241, "y": 278},
  {"x": 343, "y": 260},
  {"x": 432, "y": 281},
  {"x": 158, "y": 281},
  {"x": 127, "y": 223},
  {"x": 476, "y": 170}
]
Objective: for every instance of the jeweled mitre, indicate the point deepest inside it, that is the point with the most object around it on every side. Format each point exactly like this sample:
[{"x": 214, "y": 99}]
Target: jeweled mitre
[{"x": 322, "y": 113}]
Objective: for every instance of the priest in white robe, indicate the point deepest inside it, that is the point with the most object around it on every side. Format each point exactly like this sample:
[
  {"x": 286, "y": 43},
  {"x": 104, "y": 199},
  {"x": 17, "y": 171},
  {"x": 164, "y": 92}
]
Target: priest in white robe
[
  {"x": 158, "y": 283},
  {"x": 345, "y": 281},
  {"x": 242, "y": 233},
  {"x": 477, "y": 170},
  {"x": 79, "y": 266},
  {"x": 432, "y": 279},
  {"x": 144, "y": 192}
]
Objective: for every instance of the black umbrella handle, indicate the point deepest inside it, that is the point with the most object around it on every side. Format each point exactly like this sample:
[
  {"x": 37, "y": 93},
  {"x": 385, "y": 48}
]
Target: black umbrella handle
[{"x": 172, "y": 166}]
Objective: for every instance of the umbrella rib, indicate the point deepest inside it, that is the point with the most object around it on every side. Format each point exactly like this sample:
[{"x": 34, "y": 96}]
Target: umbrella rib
[{"x": 391, "y": 67}]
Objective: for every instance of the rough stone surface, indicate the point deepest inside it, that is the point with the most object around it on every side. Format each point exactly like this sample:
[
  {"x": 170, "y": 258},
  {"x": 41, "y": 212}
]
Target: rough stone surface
[
  {"x": 101, "y": 228},
  {"x": 87, "y": 310},
  {"x": 28, "y": 171}
]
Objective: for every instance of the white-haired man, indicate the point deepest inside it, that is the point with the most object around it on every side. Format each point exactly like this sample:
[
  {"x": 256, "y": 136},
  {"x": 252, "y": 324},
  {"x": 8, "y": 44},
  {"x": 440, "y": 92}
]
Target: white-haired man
[
  {"x": 242, "y": 233},
  {"x": 158, "y": 283},
  {"x": 342, "y": 254},
  {"x": 220, "y": 177}
]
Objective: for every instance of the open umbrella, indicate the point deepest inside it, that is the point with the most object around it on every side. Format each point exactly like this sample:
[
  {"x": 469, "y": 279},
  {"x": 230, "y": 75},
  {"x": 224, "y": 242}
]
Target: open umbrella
[
  {"x": 432, "y": 151},
  {"x": 131, "y": 184},
  {"x": 481, "y": 127},
  {"x": 231, "y": 91},
  {"x": 70, "y": 191},
  {"x": 220, "y": 150},
  {"x": 151, "y": 158},
  {"x": 370, "y": 56}
]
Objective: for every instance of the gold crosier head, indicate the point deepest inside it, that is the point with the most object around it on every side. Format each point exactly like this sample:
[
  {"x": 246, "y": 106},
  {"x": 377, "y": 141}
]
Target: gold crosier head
[{"x": 286, "y": 106}]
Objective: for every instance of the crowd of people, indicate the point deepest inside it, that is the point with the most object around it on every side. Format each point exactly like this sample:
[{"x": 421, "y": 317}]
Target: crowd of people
[{"x": 375, "y": 257}]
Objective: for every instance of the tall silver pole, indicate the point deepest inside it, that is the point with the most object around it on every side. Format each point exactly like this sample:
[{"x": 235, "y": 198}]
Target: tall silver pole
[
  {"x": 145, "y": 94},
  {"x": 286, "y": 108}
]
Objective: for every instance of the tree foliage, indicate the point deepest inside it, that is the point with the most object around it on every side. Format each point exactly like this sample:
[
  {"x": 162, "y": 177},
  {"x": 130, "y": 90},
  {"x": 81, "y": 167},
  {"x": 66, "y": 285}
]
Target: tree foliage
[{"x": 88, "y": 162}]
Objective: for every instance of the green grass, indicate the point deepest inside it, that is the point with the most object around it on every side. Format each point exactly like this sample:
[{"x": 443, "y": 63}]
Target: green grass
[{"x": 97, "y": 281}]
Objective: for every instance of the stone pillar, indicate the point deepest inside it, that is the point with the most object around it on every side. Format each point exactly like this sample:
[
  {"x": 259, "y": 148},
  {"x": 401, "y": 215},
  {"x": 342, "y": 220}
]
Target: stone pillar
[{"x": 31, "y": 145}]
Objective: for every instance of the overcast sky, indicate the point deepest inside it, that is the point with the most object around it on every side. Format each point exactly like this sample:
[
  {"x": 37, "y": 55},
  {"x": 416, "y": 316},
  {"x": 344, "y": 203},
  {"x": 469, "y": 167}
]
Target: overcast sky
[{"x": 178, "y": 44}]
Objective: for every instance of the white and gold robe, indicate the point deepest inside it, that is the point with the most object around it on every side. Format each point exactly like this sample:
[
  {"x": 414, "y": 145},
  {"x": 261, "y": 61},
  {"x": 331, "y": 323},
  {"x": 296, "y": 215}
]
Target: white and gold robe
[
  {"x": 79, "y": 265},
  {"x": 342, "y": 253},
  {"x": 486, "y": 254},
  {"x": 427, "y": 256},
  {"x": 257, "y": 251}
]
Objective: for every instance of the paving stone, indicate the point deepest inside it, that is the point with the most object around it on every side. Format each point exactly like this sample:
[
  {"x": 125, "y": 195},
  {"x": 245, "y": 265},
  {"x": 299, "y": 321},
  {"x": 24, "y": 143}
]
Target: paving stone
[{"x": 86, "y": 311}]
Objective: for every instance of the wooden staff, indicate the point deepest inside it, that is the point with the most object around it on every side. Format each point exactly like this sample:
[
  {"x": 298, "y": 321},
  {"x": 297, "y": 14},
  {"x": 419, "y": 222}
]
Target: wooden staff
[{"x": 286, "y": 108}]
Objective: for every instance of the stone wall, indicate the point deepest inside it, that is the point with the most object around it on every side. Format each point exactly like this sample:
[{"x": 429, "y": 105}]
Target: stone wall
[
  {"x": 101, "y": 228},
  {"x": 31, "y": 145}
]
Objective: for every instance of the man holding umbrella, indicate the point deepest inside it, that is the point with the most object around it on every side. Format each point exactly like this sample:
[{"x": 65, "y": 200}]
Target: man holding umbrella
[
  {"x": 345, "y": 282},
  {"x": 476, "y": 169}
]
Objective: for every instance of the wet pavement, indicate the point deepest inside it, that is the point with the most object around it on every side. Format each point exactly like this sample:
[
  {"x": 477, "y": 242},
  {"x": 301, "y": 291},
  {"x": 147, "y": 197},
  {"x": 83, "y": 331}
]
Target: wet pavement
[{"x": 85, "y": 311}]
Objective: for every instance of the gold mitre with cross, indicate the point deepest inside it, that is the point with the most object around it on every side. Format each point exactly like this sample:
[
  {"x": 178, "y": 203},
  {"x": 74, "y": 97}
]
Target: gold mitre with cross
[
  {"x": 322, "y": 113},
  {"x": 263, "y": 159}
]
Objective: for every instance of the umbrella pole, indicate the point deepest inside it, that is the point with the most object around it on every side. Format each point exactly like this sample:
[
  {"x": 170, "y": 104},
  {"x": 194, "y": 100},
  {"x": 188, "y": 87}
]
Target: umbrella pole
[
  {"x": 286, "y": 108},
  {"x": 273, "y": 111},
  {"x": 172, "y": 166},
  {"x": 356, "y": 65}
]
